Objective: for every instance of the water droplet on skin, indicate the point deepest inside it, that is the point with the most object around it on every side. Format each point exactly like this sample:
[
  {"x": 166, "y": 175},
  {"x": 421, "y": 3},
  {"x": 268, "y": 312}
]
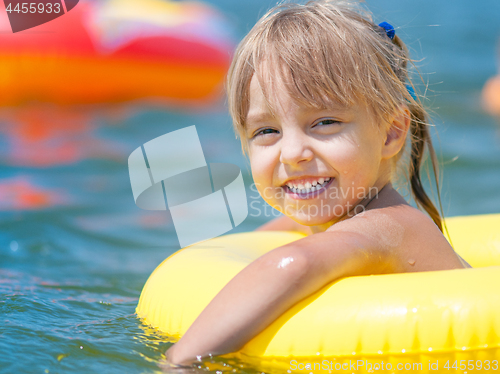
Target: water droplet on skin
[{"x": 285, "y": 262}]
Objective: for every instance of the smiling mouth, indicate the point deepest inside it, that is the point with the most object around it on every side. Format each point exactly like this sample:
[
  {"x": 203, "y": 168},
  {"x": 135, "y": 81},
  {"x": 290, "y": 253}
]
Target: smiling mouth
[{"x": 308, "y": 190}]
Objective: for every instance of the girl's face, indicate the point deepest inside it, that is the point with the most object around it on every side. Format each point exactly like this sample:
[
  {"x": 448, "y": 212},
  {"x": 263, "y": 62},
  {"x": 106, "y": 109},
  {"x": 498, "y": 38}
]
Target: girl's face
[{"x": 314, "y": 165}]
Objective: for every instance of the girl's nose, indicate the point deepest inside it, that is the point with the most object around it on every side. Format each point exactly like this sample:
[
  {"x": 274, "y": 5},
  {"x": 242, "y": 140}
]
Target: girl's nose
[{"x": 294, "y": 148}]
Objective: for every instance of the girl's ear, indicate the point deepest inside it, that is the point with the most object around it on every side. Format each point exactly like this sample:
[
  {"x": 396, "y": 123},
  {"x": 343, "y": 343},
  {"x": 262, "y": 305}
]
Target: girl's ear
[{"x": 396, "y": 131}]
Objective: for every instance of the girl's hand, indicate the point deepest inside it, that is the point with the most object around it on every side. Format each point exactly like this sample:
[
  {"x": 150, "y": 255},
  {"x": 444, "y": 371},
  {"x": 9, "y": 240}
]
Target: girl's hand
[
  {"x": 174, "y": 361},
  {"x": 169, "y": 367}
]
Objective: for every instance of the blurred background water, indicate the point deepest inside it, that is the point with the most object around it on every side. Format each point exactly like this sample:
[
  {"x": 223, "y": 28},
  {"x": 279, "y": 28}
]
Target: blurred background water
[{"x": 75, "y": 250}]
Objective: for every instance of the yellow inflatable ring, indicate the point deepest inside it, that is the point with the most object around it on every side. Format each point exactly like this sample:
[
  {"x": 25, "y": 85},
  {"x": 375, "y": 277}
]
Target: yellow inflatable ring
[{"x": 398, "y": 319}]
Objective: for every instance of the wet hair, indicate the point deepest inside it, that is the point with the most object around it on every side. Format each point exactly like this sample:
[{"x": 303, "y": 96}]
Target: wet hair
[{"x": 329, "y": 52}]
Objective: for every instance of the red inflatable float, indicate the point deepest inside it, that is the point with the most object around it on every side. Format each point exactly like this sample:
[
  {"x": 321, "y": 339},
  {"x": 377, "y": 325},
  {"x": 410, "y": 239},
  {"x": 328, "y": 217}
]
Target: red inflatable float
[{"x": 117, "y": 51}]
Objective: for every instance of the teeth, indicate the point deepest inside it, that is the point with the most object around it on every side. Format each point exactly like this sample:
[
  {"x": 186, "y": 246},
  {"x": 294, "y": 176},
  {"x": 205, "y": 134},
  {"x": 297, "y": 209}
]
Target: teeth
[{"x": 308, "y": 186}]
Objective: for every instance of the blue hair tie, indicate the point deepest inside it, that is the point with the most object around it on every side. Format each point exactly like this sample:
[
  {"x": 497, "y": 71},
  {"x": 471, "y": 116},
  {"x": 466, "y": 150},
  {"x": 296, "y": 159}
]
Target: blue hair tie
[
  {"x": 389, "y": 30},
  {"x": 391, "y": 33},
  {"x": 411, "y": 91}
]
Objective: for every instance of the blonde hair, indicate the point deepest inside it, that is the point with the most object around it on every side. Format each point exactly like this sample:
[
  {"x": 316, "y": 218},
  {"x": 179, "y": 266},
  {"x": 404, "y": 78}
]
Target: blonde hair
[{"x": 327, "y": 52}]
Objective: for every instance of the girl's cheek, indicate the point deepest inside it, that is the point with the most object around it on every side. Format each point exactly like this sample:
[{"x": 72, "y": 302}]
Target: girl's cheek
[
  {"x": 262, "y": 178},
  {"x": 344, "y": 159},
  {"x": 261, "y": 163}
]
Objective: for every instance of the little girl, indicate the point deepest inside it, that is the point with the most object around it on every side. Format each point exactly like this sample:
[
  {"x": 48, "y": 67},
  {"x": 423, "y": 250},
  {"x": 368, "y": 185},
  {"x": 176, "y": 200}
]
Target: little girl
[{"x": 321, "y": 100}]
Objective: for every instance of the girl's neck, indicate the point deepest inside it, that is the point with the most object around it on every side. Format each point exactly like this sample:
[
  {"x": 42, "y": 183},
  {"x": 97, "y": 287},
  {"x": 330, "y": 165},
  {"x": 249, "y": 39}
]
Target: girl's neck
[{"x": 367, "y": 203}]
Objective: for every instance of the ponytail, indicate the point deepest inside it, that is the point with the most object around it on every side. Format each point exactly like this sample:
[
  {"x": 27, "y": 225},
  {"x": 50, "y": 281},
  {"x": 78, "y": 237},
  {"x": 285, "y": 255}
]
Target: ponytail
[{"x": 420, "y": 137}]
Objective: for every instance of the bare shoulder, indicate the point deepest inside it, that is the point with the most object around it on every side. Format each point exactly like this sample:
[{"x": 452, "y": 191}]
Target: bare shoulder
[{"x": 409, "y": 238}]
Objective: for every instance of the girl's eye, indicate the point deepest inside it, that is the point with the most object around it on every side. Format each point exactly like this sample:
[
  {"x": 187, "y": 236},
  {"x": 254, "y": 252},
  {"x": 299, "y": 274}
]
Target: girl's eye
[
  {"x": 326, "y": 122},
  {"x": 266, "y": 131}
]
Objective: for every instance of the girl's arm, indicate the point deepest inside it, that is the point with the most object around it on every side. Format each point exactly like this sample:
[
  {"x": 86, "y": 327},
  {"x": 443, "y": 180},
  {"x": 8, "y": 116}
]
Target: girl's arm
[{"x": 270, "y": 285}]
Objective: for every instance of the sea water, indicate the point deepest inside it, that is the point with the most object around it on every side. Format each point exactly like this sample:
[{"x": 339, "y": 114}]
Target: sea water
[{"x": 75, "y": 251}]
